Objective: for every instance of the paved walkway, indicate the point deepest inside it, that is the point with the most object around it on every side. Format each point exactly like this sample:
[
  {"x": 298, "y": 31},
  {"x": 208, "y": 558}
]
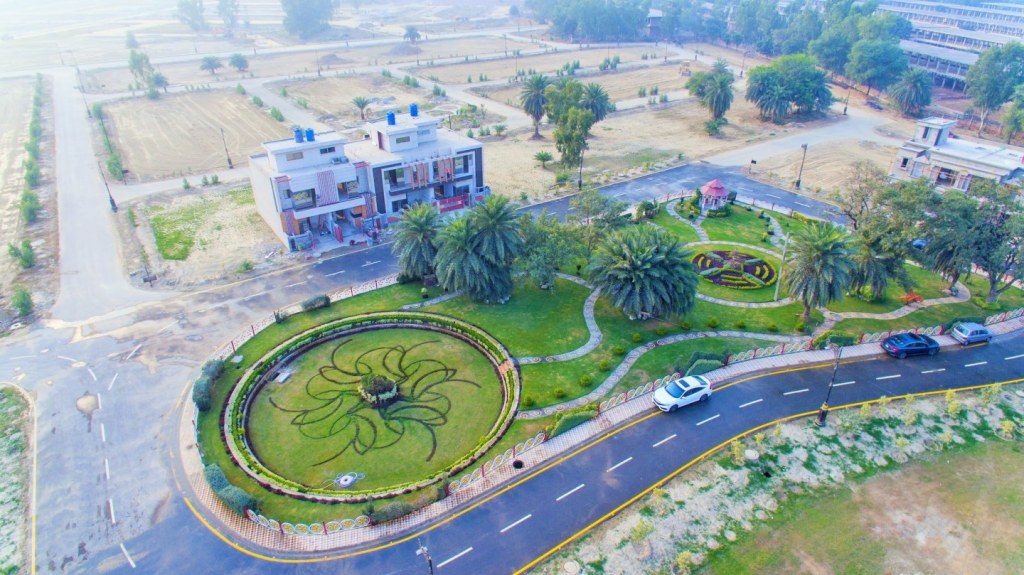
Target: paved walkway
[{"x": 588, "y": 316}]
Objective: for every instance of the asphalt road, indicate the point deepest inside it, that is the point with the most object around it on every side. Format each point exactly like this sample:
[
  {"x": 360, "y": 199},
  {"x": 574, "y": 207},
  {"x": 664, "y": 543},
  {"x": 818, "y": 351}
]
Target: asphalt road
[{"x": 506, "y": 531}]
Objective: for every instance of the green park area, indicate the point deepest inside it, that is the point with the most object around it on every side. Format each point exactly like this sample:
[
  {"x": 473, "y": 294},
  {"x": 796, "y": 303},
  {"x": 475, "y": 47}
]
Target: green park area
[{"x": 710, "y": 300}]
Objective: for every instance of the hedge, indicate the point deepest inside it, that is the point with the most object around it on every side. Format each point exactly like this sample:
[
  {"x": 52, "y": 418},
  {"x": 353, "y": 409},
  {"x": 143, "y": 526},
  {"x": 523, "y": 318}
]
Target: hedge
[
  {"x": 201, "y": 392},
  {"x": 315, "y": 302},
  {"x": 213, "y": 368},
  {"x": 702, "y": 366},
  {"x": 567, "y": 420},
  {"x": 237, "y": 499},
  {"x": 390, "y": 511},
  {"x": 215, "y": 477}
]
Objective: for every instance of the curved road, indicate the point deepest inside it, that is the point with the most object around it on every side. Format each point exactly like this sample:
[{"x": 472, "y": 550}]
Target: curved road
[{"x": 510, "y": 530}]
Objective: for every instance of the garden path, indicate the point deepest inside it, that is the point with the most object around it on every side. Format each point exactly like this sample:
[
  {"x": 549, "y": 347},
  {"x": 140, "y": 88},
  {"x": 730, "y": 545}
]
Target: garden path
[
  {"x": 695, "y": 224},
  {"x": 832, "y": 318},
  {"x": 588, "y": 316},
  {"x": 432, "y": 301}
]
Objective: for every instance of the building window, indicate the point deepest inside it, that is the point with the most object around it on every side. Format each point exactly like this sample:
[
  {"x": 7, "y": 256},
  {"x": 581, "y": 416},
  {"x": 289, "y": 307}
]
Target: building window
[
  {"x": 903, "y": 163},
  {"x": 395, "y": 176},
  {"x": 303, "y": 199},
  {"x": 403, "y": 139},
  {"x": 329, "y": 150},
  {"x": 461, "y": 164},
  {"x": 423, "y": 132},
  {"x": 924, "y": 135},
  {"x": 292, "y": 156}
]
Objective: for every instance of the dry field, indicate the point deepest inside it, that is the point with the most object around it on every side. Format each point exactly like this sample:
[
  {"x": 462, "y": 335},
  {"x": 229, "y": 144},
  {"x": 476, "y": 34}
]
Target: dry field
[
  {"x": 543, "y": 63},
  {"x": 333, "y": 96},
  {"x": 827, "y": 169},
  {"x": 181, "y": 134},
  {"x": 620, "y": 84},
  {"x": 117, "y": 80},
  {"x": 15, "y": 106}
]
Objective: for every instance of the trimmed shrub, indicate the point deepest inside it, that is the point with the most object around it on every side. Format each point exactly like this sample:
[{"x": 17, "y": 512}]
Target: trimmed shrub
[
  {"x": 703, "y": 366},
  {"x": 801, "y": 326},
  {"x": 636, "y": 337},
  {"x": 953, "y": 322},
  {"x": 586, "y": 379},
  {"x": 215, "y": 477},
  {"x": 529, "y": 401},
  {"x": 22, "y": 301},
  {"x": 713, "y": 322},
  {"x": 559, "y": 393},
  {"x": 661, "y": 331},
  {"x": 685, "y": 326},
  {"x": 391, "y": 511},
  {"x": 213, "y": 368},
  {"x": 772, "y": 328},
  {"x": 315, "y": 302},
  {"x": 604, "y": 365},
  {"x": 201, "y": 393},
  {"x": 237, "y": 499},
  {"x": 619, "y": 350},
  {"x": 740, "y": 324},
  {"x": 404, "y": 278},
  {"x": 567, "y": 420}
]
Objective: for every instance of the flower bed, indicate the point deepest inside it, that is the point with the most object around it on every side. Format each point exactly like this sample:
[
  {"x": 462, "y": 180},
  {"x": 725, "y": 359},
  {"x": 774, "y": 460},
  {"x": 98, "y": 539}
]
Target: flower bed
[{"x": 735, "y": 269}]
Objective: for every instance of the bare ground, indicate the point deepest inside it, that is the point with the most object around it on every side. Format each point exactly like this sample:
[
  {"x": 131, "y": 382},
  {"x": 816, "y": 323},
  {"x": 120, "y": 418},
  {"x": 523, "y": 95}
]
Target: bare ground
[
  {"x": 180, "y": 134},
  {"x": 333, "y": 96},
  {"x": 826, "y": 169}
]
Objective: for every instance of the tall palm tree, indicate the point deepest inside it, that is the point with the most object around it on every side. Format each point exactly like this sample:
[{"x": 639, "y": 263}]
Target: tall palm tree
[
  {"x": 533, "y": 99},
  {"x": 913, "y": 92},
  {"x": 416, "y": 240},
  {"x": 645, "y": 272},
  {"x": 874, "y": 269},
  {"x": 821, "y": 267},
  {"x": 497, "y": 240},
  {"x": 718, "y": 95},
  {"x": 411, "y": 34},
  {"x": 460, "y": 267},
  {"x": 361, "y": 102},
  {"x": 595, "y": 99},
  {"x": 774, "y": 103}
]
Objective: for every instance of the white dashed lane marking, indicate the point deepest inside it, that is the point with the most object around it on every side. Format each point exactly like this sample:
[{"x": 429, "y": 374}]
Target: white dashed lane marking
[
  {"x": 845, "y": 383},
  {"x": 941, "y": 369},
  {"x": 749, "y": 403},
  {"x": 619, "y": 464},
  {"x": 975, "y": 364},
  {"x": 804, "y": 390},
  {"x": 881, "y": 377},
  {"x": 570, "y": 492},
  {"x": 1014, "y": 357},
  {"x": 454, "y": 557},
  {"x": 516, "y": 523},
  {"x": 666, "y": 440},
  {"x": 712, "y": 418}
]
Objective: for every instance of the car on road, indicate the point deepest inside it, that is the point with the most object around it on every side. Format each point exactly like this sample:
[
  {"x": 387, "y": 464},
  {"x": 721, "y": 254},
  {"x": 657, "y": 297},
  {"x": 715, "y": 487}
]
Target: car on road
[
  {"x": 903, "y": 344},
  {"x": 680, "y": 392},
  {"x": 970, "y": 332}
]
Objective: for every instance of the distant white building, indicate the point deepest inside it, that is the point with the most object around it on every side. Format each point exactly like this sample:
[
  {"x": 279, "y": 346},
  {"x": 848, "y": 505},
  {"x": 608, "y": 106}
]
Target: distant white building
[
  {"x": 316, "y": 190},
  {"x": 947, "y": 161}
]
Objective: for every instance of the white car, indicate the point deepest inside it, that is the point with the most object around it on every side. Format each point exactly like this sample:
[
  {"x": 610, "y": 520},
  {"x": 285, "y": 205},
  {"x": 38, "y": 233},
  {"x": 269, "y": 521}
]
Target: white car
[{"x": 682, "y": 391}]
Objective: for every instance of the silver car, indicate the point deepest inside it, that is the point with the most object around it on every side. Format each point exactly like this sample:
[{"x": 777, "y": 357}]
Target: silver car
[{"x": 970, "y": 332}]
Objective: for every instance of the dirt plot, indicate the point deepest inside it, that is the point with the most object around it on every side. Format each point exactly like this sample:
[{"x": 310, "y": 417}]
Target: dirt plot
[
  {"x": 117, "y": 80},
  {"x": 181, "y": 134},
  {"x": 620, "y": 84},
  {"x": 543, "y": 63},
  {"x": 15, "y": 107},
  {"x": 333, "y": 96},
  {"x": 828, "y": 168}
]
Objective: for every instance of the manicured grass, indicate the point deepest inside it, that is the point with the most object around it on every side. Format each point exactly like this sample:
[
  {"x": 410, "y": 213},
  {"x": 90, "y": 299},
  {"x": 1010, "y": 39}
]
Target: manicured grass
[
  {"x": 534, "y": 322},
  {"x": 926, "y": 317},
  {"x": 784, "y": 318},
  {"x": 789, "y": 224},
  {"x": 1012, "y": 298},
  {"x": 663, "y": 360},
  {"x": 759, "y": 295},
  {"x": 740, "y": 226},
  {"x": 175, "y": 230},
  {"x": 833, "y": 533},
  {"x": 449, "y": 399},
  {"x": 928, "y": 285},
  {"x": 683, "y": 231}
]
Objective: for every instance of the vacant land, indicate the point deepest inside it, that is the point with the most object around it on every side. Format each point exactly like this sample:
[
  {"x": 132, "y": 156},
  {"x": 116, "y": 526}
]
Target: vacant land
[
  {"x": 333, "y": 96},
  {"x": 181, "y": 134},
  {"x": 541, "y": 63},
  {"x": 828, "y": 168},
  {"x": 620, "y": 84},
  {"x": 204, "y": 234},
  {"x": 15, "y": 106}
]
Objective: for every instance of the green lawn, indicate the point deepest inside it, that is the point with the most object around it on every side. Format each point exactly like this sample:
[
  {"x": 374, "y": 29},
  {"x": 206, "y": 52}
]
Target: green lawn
[
  {"x": 683, "y": 231},
  {"x": 789, "y": 224},
  {"x": 928, "y": 285},
  {"x": 663, "y": 360},
  {"x": 1012, "y": 298},
  {"x": 740, "y": 226},
  {"x": 533, "y": 322},
  {"x": 926, "y": 317},
  {"x": 974, "y": 492},
  {"x": 449, "y": 399},
  {"x": 175, "y": 229}
]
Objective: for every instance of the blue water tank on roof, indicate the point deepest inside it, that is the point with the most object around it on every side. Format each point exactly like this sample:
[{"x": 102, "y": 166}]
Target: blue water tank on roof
[
  {"x": 310, "y": 135},
  {"x": 298, "y": 135},
  {"x": 391, "y": 118},
  {"x": 414, "y": 109}
]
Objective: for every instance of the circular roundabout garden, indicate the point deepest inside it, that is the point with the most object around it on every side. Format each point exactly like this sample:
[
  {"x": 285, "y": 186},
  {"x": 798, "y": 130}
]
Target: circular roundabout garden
[
  {"x": 370, "y": 406},
  {"x": 735, "y": 269}
]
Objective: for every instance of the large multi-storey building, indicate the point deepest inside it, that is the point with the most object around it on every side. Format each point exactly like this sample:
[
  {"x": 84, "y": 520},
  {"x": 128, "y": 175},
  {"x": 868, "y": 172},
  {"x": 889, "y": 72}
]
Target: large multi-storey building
[{"x": 317, "y": 190}]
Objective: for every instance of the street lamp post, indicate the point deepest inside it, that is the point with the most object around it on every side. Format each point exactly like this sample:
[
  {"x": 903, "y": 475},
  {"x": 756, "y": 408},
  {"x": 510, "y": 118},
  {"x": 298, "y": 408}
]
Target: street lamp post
[
  {"x": 782, "y": 264},
  {"x": 316, "y": 56},
  {"x": 226, "y": 154},
  {"x": 846, "y": 104},
  {"x": 800, "y": 174},
  {"x": 837, "y": 352},
  {"x": 423, "y": 551},
  {"x": 743, "y": 64},
  {"x": 580, "y": 181}
]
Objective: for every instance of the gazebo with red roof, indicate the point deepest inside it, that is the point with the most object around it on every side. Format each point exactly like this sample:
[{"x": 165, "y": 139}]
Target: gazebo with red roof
[{"x": 713, "y": 195}]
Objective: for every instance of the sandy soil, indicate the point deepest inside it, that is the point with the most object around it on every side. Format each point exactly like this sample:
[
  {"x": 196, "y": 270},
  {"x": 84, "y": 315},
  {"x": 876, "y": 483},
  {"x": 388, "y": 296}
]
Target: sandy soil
[
  {"x": 228, "y": 231},
  {"x": 180, "y": 134},
  {"x": 15, "y": 106},
  {"x": 621, "y": 84},
  {"x": 827, "y": 168},
  {"x": 333, "y": 96},
  {"x": 543, "y": 63}
]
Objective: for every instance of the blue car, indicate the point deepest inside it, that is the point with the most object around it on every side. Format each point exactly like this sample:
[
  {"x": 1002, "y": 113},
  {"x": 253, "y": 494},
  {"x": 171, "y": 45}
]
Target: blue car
[{"x": 903, "y": 344}]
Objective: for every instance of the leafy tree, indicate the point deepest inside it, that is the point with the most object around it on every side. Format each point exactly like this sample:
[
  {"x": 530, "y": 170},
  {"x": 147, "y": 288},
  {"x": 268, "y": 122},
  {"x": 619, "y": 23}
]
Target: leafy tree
[
  {"x": 803, "y": 27},
  {"x": 562, "y": 96},
  {"x": 991, "y": 80},
  {"x": 228, "y": 12},
  {"x": 913, "y": 93},
  {"x": 361, "y": 102},
  {"x": 874, "y": 269},
  {"x": 832, "y": 49},
  {"x": 646, "y": 272},
  {"x": 884, "y": 26},
  {"x": 190, "y": 13},
  {"x": 130, "y": 41},
  {"x": 949, "y": 232},
  {"x": 416, "y": 240},
  {"x": 714, "y": 89},
  {"x": 596, "y": 214},
  {"x": 790, "y": 81},
  {"x": 595, "y": 99},
  {"x": 998, "y": 236},
  {"x": 821, "y": 268},
  {"x": 238, "y": 62},
  {"x": 571, "y": 135},
  {"x": 547, "y": 245},
  {"x": 411, "y": 33},
  {"x": 543, "y": 157},
  {"x": 158, "y": 80},
  {"x": 306, "y": 18},
  {"x": 139, "y": 66},
  {"x": 766, "y": 90},
  {"x": 22, "y": 301},
  {"x": 876, "y": 63},
  {"x": 534, "y": 100},
  {"x": 210, "y": 64}
]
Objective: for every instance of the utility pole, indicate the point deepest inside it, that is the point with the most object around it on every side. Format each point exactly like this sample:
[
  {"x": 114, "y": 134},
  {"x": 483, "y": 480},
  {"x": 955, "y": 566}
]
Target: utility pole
[
  {"x": 837, "y": 352},
  {"x": 580, "y": 182},
  {"x": 800, "y": 174},
  {"x": 226, "y": 154},
  {"x": 423, "y": 551}
]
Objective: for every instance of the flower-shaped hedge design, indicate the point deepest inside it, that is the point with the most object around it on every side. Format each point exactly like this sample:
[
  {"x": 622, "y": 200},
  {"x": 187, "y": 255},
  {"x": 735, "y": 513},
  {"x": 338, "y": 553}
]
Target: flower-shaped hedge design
[
  {"x": 337, "y": 410},
  {"x": 735, "y": 269}
]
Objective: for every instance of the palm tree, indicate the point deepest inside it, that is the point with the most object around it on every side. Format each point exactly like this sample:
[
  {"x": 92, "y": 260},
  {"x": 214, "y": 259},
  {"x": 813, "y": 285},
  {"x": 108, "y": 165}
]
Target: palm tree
[
  {"x": 534, "y": 100},
  {"x": 595, "y": 98},
  {"x": 210, "y": 64},
  {"x": 416, "y": 239},
  {"x": 411, "y": 34},
  {"x": 874, "y": 269},
  {"x": 718, "y": 95},
  {"x": 821, "y": 268},
  {"x": 645, "y": 271},
  {"x": 458, "y": 264},
  {"x": 361, "y": 102},
  {"x": 543, "y": 157},
  {"x": 774, "y": 104},
  {"x": 913, "y": 92},
  {"x": 497, "y": 238}
]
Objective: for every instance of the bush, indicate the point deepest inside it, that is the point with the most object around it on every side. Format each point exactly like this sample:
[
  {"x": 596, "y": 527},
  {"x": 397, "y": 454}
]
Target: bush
[
  {"x": 801, "y": 326},
  {"x": 213, "y": 368},
  {"x": 637, "y": 337},
  {"x": 185, "y": 184},
  {"x": 201, "y": 395},
  {"x": 702, "y": 366},
  {"x": 567, "y": 420},
  {"x": 619, "y": 350},
  {"x": 276, "y": 114},
  {"x": 772, "y": 328},
  {"x": 713, "y": 322},
  {"x": 740, "y": 324},
  {"x": 280, "y": 316},
  {"x": 559, "y": 393},
  {"x": 32, "y": 173},
  {"x": 315, "y": 302},
  {"x": 215, "y": 477},
  {"x": 237, "y": 499},
  {"x": 685, "y": 325},
  {"x": 604, "y": 365},
  {"x": 953, "y": 322},
  {"x": 764, "y": 238},
  {"x": 22, "y": 301},
  {"x": 404, "y": 278},
  {"x": 561, "y": 178},
  {"x": 586, "y": 379},
  {"x": 661, "y": 330},
  {"x": 240, "y": 89},
  {"x": 529, "y": 401},
  {"x": 713, "y": 127},
  {"x": 257, "y": 101},
  {"x": 980, "y": 302},
  {"x": 25, "y": 255}
]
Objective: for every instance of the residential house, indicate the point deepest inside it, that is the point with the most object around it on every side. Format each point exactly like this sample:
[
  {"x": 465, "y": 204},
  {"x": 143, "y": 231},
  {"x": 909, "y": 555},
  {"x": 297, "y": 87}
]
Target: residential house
[
  {"x": 317, "y": 190},
  {"x": 947, "y": 161}
]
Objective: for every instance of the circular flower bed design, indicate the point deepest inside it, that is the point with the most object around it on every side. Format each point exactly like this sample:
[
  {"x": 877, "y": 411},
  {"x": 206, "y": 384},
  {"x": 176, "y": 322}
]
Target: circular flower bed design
[
  {"x": 400, "y": 400},
  {"x": 735, "y": 269}
]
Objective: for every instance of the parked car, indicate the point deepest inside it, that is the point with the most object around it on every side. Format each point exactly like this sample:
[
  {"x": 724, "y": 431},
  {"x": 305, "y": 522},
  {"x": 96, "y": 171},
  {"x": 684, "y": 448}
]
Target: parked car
[
  {"x": 680, "y": 392},
  {"x": 903, "y": 344},
  {"x": 970, "y": 332}
]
